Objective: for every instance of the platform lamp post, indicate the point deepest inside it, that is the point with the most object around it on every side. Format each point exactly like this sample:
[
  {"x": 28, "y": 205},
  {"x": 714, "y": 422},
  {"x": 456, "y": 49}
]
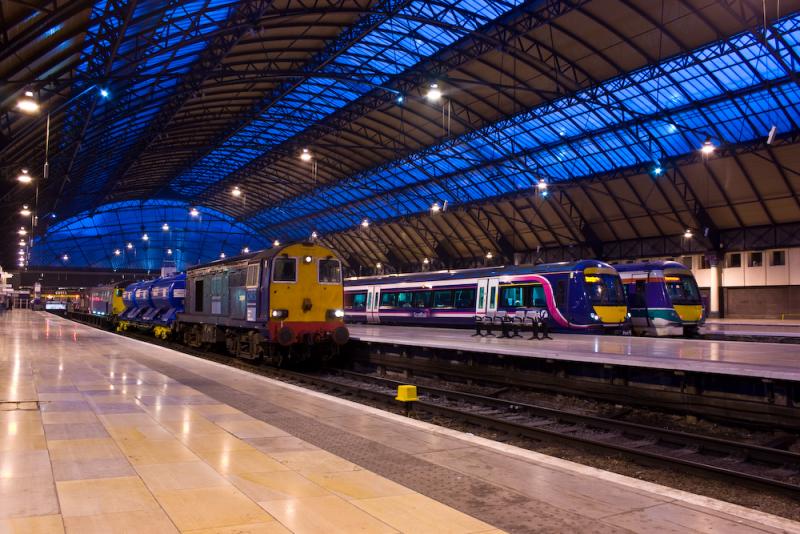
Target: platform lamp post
[{"x": 28, "y": 105}]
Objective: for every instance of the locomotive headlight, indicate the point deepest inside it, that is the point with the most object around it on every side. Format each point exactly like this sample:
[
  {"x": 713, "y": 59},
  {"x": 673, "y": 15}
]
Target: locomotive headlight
[
  {"x": 335, "y": 314},
  {"x": 308, "y": 259},
  {"x": 594, "y": 316},
  {"x": 280, "y": 314},
  {"x": 628, "y": 315}
]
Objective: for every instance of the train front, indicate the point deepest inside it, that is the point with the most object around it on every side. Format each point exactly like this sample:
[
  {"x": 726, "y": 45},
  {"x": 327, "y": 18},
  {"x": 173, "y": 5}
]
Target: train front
[
  {"x": 306, "y": 297},
  {"x": 606, "y": 304},
  {"x": 684, "y": 297}
]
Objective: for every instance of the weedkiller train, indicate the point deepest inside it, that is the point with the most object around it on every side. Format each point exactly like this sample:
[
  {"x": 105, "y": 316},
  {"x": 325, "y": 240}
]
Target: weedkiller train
[
  {"x": 663, "y": 298},
  {"x": 586, "y": 295},
  {"x": 283, "y": 304}
]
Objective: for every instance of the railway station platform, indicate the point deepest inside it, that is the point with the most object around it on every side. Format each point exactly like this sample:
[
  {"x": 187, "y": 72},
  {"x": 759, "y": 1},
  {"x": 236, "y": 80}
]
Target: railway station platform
[
  {"x": 102, "y": 433},
  {"x": 755, "y": 328},
  {"x": 734, "y": 358}
]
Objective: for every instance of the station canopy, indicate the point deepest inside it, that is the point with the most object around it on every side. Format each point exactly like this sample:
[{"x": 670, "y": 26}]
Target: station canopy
[{"x": 402, "y": 133}]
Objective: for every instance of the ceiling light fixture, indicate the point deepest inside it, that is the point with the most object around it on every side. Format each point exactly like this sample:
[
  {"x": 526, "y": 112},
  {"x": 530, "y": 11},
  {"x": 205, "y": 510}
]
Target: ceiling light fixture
[
  {"x": 434, "y": 93},
  {"x": 28, "y": 103},
  {"x": 24, "y": 178},
  {"x": 305, "y": 155}
]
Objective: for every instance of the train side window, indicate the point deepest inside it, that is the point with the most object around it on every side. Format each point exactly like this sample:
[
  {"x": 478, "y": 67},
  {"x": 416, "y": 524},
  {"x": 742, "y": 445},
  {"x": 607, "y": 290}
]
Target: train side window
[
  {"x": 359, "y": 301},
  {"x": 481, "y": 297},
  {"x": 422, "y": 299},
  {"x": 404, "y": 299},
  {"x": 778, "y": 258},
  {"x": 492, "y": 295},
  {"x": 465, "y": 298},
  {"x": 198, "y": 295},
  {"x": 512, "y": 296},
  {"x": 252, "y": 275},
  {"x": 389, "y": 299},
  {"x": 284, "y": 270},
  {"x": 330, "y": 272},
  {"x": 735, "y": 260},
  {"x": 443, "y": 298},
  {"x": 756, "y": 259}
]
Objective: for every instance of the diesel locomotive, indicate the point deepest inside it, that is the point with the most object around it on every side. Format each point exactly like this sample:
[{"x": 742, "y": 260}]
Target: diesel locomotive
[
  {"x": 585, "y": 295},
  {"x": 284, "y": 305}
]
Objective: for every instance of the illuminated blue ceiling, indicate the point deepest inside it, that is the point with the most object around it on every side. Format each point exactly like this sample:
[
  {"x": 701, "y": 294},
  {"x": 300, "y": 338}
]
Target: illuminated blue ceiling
[
  {"x": 417, "y": 31},
  {"x": 213, "y": 94},
  {"x": 91, "y": 239},
  {"x": 732, "y": 91},
  {"x": 174, "y": 33}
]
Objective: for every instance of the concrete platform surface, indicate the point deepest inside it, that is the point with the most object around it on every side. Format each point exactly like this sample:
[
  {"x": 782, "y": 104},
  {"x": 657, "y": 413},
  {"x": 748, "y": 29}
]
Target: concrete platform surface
[
  {"x": 753, "y": 327},
  {"x": 739, "y": 358},
  {"x": 102, "y": 433}
]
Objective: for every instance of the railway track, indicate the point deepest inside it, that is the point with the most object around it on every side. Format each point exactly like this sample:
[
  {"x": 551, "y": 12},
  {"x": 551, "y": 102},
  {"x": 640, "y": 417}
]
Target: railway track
[
  {"x": 753, "y": 464},
  {"x": 742, "y": 463}
]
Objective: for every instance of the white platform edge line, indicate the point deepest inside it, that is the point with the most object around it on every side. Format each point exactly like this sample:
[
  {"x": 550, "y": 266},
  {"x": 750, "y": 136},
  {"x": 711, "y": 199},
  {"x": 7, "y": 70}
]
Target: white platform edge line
[{"x": 671, "y": 493}]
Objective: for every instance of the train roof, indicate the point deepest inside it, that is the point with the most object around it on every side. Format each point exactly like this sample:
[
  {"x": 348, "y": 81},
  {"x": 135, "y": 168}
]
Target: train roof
[
  {"x": 481, "y": 272},
  {"x": 259, "y": 254},
  {"x": 652, "y": 265}
]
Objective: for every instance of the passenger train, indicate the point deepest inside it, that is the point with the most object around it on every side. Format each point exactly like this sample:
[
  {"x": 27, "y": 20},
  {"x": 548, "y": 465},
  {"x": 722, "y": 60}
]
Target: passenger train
[
  {"x": 586, "y": 295},
  {"x": 284, "y": 304},
  {"x": 663, "y": 298}
]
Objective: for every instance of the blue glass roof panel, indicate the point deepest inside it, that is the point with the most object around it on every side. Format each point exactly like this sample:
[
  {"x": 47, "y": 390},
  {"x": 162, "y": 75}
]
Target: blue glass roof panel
[
  {"x": 585, "y": 135},
  {"x": 91, "y": 239},
  {"x": 418, "y": 31}
]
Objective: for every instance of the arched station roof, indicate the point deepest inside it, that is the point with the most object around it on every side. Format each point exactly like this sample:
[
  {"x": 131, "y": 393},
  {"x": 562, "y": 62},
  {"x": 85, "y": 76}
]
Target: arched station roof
[{"x": 606, "y": 101}]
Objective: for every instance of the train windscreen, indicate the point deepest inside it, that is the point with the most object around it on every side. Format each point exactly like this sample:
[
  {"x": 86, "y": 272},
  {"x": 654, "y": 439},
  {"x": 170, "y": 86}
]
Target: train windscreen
[
  {"x": 604, "y": 289},
  {"x": 682, "y": 288}
]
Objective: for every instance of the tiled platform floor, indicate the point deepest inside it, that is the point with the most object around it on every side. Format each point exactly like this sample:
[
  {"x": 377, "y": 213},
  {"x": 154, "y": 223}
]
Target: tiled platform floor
[{"x": 135, "y": 438}]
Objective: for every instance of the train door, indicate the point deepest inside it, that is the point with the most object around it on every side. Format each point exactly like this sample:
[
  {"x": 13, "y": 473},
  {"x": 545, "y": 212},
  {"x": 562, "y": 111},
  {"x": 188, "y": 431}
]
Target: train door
[
  {"x": 482, "y": 297},
  {"x": 373, "y": 302},
  {"x": 494, "y": 288}
]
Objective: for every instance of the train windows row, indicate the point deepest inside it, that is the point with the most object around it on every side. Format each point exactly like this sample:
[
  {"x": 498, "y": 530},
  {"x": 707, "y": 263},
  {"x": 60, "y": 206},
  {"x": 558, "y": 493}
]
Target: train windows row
[
  {"x": 515, "y": 296},
  {"x": 439, "y": 298}
]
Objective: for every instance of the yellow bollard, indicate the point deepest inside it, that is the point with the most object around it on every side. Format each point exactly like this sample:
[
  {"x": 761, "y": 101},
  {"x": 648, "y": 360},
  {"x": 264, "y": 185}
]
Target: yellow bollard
[{"x": 406, "y": 393}]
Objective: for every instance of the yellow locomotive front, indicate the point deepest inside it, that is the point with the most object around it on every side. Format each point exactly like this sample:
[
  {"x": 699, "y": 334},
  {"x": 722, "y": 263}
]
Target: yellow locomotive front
[{"x": 305, "y": 296}]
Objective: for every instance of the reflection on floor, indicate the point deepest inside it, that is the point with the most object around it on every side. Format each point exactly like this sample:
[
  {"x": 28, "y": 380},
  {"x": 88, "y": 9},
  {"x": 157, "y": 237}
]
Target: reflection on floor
[{"x": 118, "y": 447}]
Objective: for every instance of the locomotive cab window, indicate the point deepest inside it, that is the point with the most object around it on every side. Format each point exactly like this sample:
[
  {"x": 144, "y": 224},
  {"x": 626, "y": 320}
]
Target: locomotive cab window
[
  {"x": 330, "y": 272},
  {"x": 284, "y": 270}
]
